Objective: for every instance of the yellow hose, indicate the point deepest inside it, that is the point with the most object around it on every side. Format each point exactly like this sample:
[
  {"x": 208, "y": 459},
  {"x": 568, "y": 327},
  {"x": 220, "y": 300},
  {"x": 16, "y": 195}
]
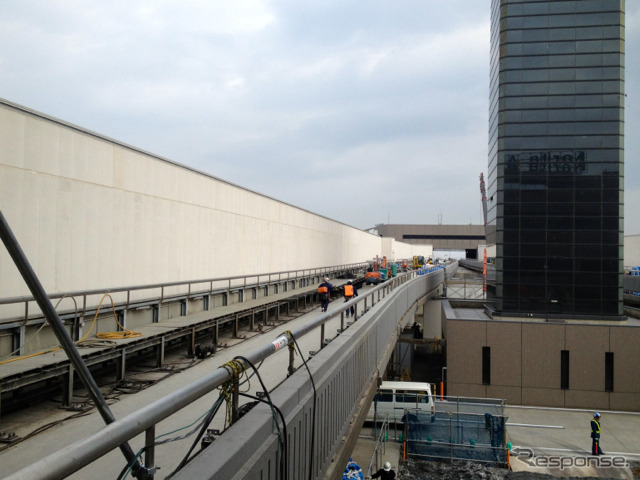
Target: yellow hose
[{"x": 105, "y": 335}]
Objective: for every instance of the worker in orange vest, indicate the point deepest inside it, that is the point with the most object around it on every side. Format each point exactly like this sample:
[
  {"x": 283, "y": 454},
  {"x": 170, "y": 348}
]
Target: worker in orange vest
[
  {"x": 350, "y": 291},
  {"x": 324, "y": 292}
]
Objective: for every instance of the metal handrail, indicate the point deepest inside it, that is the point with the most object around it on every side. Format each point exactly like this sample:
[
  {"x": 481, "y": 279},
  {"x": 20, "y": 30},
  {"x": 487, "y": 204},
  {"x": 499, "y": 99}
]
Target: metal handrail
[{"x": 291, "y": 274}]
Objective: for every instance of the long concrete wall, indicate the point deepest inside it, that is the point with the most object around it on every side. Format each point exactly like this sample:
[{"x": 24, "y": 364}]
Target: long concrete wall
[{"x": 91, "y": 212}]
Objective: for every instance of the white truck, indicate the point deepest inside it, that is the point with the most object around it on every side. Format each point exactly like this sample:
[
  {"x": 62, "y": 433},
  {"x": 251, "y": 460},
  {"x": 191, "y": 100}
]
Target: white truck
[{"x": 393, "y": 398}]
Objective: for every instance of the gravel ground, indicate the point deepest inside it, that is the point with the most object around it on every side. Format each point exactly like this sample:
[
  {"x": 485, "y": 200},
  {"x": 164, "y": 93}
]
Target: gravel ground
[{"x": 413, "y": 469}]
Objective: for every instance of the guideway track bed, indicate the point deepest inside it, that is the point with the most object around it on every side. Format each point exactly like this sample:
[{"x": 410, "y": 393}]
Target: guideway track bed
[{"x": 51, "y": 374}]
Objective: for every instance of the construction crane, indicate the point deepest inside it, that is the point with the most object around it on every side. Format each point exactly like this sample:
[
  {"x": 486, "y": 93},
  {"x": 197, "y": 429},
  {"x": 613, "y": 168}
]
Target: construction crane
[{"x": 483, "y": 191}]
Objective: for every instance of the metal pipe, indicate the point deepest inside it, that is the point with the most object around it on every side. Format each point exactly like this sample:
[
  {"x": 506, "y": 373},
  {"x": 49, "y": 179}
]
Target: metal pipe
[{"x": 38, "y": 292}]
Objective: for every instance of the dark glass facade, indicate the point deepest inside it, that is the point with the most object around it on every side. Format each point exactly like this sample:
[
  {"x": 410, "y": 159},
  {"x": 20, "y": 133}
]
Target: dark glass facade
[{"x": 555, "y": 180}]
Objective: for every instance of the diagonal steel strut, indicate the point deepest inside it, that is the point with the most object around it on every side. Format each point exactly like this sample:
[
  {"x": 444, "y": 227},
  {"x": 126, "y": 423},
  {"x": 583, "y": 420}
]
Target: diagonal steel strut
[{"x": 38, "y": 292}]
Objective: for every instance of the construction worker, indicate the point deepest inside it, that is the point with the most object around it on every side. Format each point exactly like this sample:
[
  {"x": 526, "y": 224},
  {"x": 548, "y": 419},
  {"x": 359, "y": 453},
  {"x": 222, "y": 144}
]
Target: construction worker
[
  {"x": 385, "y": 473},
  {"x": 350, "y": 291},
  {"x": 324, "y": 291},
  {"x": 595, "y": 435}
]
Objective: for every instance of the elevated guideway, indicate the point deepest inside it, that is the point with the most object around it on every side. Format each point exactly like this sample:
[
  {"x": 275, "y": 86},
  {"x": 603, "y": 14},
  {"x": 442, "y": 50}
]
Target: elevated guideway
[
  {"x": 319, "y": 414},
  {"x": 182, "y": 315}
]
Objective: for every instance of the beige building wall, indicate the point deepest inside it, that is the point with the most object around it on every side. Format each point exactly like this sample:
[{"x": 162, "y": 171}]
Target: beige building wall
[
  {"x": 525, "y": 366},
  {"x": 90, "y": 213}
]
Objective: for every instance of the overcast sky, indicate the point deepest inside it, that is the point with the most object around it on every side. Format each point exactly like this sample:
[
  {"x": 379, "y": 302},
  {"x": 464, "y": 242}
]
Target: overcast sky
[{"x": 364, "y": 112}]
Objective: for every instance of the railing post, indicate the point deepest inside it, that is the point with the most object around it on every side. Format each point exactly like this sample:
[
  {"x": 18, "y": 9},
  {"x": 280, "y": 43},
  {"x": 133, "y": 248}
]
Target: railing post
[
  {"x": 291, "y": 367},
  {"x": 236, "y": 398},
  {"x": 150, "y": 452}
]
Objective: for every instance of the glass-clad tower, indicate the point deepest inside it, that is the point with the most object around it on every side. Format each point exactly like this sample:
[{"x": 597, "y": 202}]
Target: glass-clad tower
[{"x": 555, "y": 179}]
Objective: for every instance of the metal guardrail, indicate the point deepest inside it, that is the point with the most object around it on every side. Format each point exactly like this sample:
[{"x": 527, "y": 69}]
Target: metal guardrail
[
  {"x": 189, "y": 289},
  {"x": 359, "y": 355}
]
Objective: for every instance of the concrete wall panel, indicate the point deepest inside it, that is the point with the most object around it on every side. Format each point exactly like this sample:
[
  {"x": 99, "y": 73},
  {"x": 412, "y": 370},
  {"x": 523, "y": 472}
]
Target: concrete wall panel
[
  {"x": 541, "y": 346},
  {"x": 626, "y": 366},
  {"x": 464, "y": 355},
  {"x": 544, "y": 397},
  {"x": 587, "y": 345},
  {"x": 504, "y": 338},
  {"x": 466, "y": 390},
  {"x": 624, "y": 401},
  {"x": 513, "y": 395},
  {"x": 92, "y": 213},
  {"x": 596, "y": 400}
]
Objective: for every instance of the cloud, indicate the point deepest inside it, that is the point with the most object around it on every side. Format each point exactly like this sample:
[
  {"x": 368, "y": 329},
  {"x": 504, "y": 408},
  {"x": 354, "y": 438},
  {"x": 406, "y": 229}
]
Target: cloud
[{"x": 381, "y": 107}]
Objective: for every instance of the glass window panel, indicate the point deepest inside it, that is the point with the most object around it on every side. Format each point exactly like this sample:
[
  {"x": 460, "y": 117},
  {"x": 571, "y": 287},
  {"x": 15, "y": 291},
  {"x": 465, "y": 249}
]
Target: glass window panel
[
  {"x": 588, "y": 223},
  {"x": 560, "y": 195},
  {"x": 535, "y": 277},
  {"x": 589, "y": 33},
  {"x": 562, "y": 7},
  {"x": 533, "y": 236},
  {"x": 535, "y": 250},
  {"x": 532, "y": 222},
  {"x": 563, "y": 211},
  {"x": 588, "y": 88},
  {"x": 535, "y": 129},
  {"x": 586, "y": 306},
  {"x": 559, "y": 250},
  {"x": 588, "y": 101},
  {"x": 561, "y": 48},
  {"x": 588, "y": 251},
  {"x": 610, "y": 209},
  {"x": 529, "y": 264},
  {"x": 534, "y": 116},
  {"x": 565, "y": 182},
  {"x": 560, "y": 237},
  {"x": 562, "y": 88},
  {"x": 562, "y": 61},
  {"x": 589, "y": 74},
  {"x": 562, "y": 101},
  {"x": 589, "y": 46},
  {"x": 560, "y": 223},
  {"x": 611, "y": 223},
  {"x": 539, "y": 48},
  {"x": 560, "y": 278},
  {"x": 557, "y": 34},
  {"x": 535, "y": 22},
  {"x": 562, "y": 74},
  {"x": 560, "y": 264}
]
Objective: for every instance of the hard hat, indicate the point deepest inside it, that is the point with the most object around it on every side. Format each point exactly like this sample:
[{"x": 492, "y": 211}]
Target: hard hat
[
  {"x": 387, "y": 466},
  {"x": 596, "y": 415}
]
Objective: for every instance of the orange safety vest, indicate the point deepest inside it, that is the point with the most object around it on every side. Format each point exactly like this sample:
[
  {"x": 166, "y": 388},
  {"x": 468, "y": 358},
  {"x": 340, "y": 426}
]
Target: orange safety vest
[
  {"x": 348, "y": 290},
  {"x": 323, "y": 289}
]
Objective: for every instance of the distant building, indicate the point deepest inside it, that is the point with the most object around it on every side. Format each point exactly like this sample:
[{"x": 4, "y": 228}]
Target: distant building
[
  {"x": 555, "y": 179},
  {"x": 440, "y": 237}
]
